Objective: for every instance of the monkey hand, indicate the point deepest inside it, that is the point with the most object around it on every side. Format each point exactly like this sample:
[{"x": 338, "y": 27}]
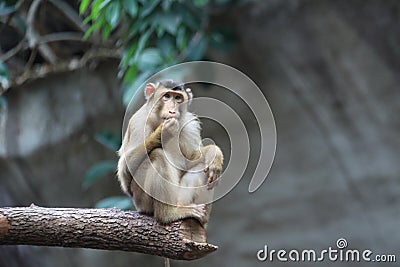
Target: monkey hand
[
  {"x": 213, "y": 161},
  {"x": 214, "y": 172},
  {"x": 171, "y": 126}
]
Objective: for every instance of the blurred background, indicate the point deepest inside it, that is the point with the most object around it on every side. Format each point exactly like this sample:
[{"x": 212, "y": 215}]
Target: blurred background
[{"x": 329, "y": 70}]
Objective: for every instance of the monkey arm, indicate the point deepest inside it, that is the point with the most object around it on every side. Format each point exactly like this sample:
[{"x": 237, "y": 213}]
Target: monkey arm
[
  {"x": 133, "y": 152},
  {"x": 135, "y": 156},
  {"x": 207, "y": 155},
  {"x": 213, "y": 160},
  {"x": 131, "y": 158},
  {"x": 213, "y": 154}
]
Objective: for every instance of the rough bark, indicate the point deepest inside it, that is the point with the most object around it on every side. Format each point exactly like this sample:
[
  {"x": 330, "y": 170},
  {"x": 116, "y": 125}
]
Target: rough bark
[{"x": 110, "y": 229}]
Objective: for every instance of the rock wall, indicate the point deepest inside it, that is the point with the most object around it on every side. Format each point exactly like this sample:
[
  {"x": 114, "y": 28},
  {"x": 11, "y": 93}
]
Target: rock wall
[
  {"x": 47, "y": 144},
  {"x": 330, "y": 72},
  {"x": 47, "y": 135}
]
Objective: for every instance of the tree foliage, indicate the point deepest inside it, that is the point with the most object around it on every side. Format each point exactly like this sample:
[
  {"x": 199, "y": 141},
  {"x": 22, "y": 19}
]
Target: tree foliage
[
  {"x": 152, "y": 34},
  {"x": 145, "y": 35}
]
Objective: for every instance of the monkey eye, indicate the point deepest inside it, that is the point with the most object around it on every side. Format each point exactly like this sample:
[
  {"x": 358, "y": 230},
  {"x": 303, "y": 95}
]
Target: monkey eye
[
  {"x": 178, "y": 99},
  {"x": 166, "y": 97}
]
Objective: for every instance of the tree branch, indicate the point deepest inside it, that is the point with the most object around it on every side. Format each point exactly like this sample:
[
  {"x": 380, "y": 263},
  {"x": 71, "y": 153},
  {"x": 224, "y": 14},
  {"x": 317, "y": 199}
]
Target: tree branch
[
  {"x": 48, "y": 38},
  {"x": 110, "y": 229},
  {"x": 61, "y": 36},
  {"x": 12, "y": 52},
  {"x": 70, "y": 13},
  {"x": 32, "y": 36}
]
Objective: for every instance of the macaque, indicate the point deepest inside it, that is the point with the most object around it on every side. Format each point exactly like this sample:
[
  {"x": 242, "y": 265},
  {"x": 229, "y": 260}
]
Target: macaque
[{"x": 163, "y": 164}]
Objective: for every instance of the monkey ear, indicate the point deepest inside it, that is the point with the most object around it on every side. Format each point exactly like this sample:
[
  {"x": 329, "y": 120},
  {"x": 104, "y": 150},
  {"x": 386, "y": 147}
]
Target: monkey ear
[
  {"x": 149, "y": 91},
  {"x": 190, "y": 95}
]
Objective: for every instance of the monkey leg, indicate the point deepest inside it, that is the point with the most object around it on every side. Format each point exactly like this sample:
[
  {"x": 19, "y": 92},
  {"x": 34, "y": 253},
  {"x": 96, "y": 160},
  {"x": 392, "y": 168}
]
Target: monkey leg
[
  {"x": 193, "y": 185},
  {"x": 163, "y": 184},
  {"x": 124, "y": 176},
  {"x": 142, "y": 201},
  {"x": 129, "y": 185}
]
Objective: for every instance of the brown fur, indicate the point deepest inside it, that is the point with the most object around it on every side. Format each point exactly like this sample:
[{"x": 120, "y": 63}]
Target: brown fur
[{"x": 145, "y": 169}]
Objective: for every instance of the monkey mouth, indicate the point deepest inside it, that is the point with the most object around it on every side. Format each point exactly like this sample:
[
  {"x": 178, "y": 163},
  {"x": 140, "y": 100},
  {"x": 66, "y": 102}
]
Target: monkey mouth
[
  {"x": 165, "y": 118},
  {"x": 169, "y": 117}
]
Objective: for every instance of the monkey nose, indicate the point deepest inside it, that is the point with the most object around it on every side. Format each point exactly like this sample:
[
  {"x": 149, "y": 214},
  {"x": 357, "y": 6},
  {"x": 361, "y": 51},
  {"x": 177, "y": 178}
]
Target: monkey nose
[{"x": 172, "y": 112}]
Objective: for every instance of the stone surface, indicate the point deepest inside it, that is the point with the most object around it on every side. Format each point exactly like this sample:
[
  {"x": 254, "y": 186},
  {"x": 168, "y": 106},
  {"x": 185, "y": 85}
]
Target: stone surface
[{"x": 47, "y": 136}]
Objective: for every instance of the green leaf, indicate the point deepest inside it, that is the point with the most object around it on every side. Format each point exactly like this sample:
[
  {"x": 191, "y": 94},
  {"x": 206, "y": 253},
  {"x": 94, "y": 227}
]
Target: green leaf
[
  {"x": 87, "y": 20},
  {"x": 95, "y": 26},
  {"x": 5, "y": 10},
  {"x": 189, "y": 19},
  {"x": 166, "y": 5},
  {"x": 88, "y": 32},
  {"x": 96, "y": 9},
  {"x": 11, "y": 2},
  {"x": 131, "y": 7},
  {"x": 141, "y": 44},
  {"x": 3, "y": 104},
  {"x": 127, "y": 56},
  {"x": 109, "y": 140},
  {"x": 169, "y": 22},
  {"x": 181, "y": 38},
  {"x": 105, "y": 3},
  {"x": 166, "y": 45},
  {"x": 130, "y": 74},
  {"x": 120, "y": 202},
  {"x": 19, "y": 22},
  {"x": 223, "y": 39},
  {"x": 160, "y": 32},
  {"x": 98, "y": 171},
  {"x": 149, "y": 58},
  {"x": 196, "y": 49},
  {"x": 200, "y": 3},
  {"x": 106, "y": 32},
  {"x": 145, "y": 26},
  {"x": 148, "y": 7},
  {"x": 134, "y": 29},
  {"x": 3, "y": 71},
  {"x": 83, "y": 6},
  {"x": 113, "y": 14},
  {"x": 131, "y": 90},
  {"x": 4, "y": 76}
]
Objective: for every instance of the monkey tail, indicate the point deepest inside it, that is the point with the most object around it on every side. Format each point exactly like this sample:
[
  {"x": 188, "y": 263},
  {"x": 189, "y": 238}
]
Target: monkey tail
[{"x": 166, "y": 262}]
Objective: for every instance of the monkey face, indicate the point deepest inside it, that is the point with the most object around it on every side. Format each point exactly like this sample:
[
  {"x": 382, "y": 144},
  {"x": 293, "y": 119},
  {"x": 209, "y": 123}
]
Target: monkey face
[
  {"x": 171, "y": 102},
  {"x": 167, "y": 102}
]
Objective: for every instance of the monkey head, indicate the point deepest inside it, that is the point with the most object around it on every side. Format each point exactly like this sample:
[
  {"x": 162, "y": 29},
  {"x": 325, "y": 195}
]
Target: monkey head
[{"x": 168, "y": 99}]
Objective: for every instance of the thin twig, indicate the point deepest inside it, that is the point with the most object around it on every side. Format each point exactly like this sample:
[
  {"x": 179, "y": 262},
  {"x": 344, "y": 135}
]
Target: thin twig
[
  {"x": 31, "y": 60},
  {"x": 9, "y": 17},
  {"x": 33, "y": 36},
  {"x": 48, "y": 38},
  {"x": 63, "y": 66},
  {"x": 10, "y": 53},
  {"x": 70, "y": 13},
  {"x": 61, "y": 36}
]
